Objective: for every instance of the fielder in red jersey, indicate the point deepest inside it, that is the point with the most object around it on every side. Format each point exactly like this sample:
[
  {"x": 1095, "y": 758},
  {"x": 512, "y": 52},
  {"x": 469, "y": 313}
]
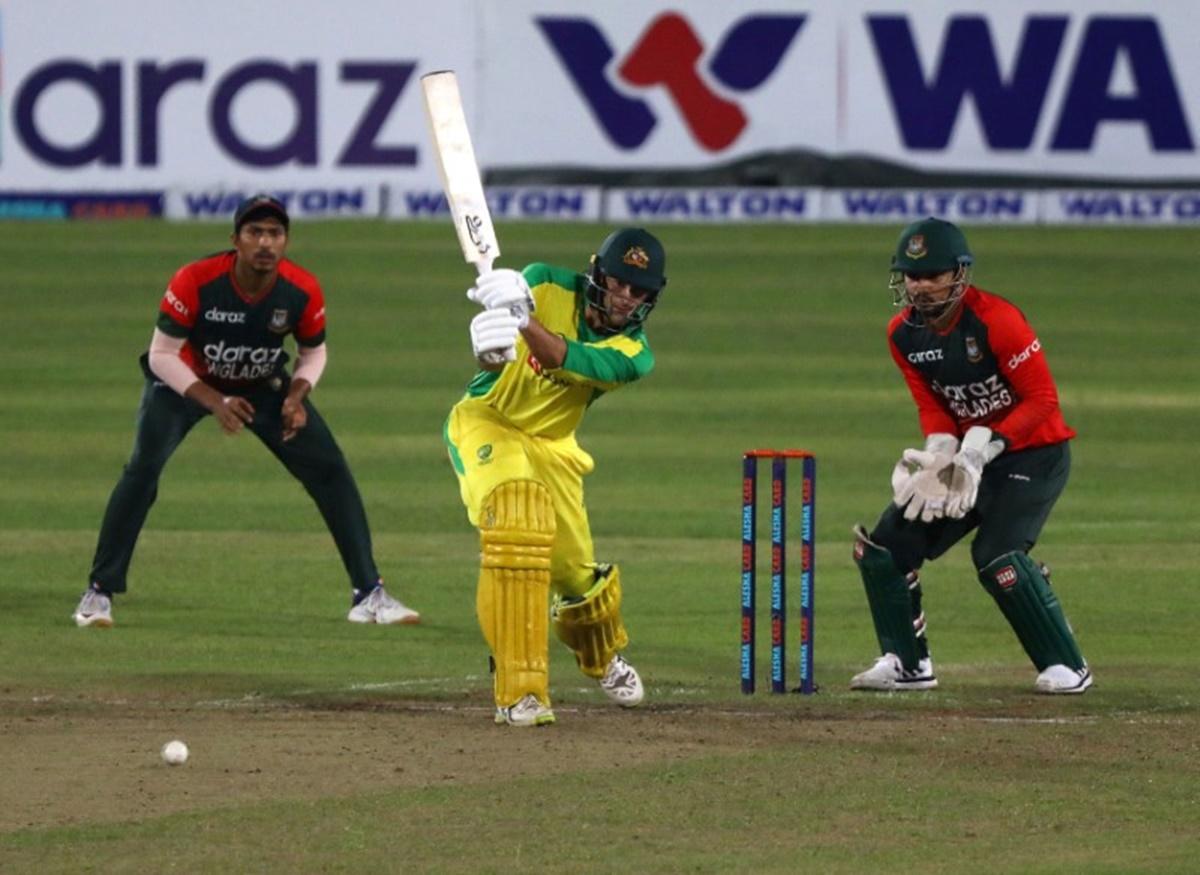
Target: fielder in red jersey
[
  {"x": 995, "y": 460},
  {"x": 218, "y": 348}
]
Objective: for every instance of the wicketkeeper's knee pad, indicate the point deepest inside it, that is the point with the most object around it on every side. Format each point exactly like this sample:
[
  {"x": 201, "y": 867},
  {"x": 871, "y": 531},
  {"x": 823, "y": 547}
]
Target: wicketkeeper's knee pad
[
  {"x": 591, "y": 624},
  {"x": 895, "y": 601},
  {"x": 1028, "y": 603},
  {"x": 516, "y": 533}
]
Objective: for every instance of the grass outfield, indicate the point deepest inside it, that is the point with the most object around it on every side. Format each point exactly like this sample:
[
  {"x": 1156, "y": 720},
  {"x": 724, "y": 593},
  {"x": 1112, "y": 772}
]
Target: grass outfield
[{"x": 322, "y": 746}]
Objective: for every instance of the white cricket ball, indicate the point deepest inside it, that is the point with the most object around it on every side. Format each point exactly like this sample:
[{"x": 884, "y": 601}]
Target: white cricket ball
[{"x": 175, "y": 753}]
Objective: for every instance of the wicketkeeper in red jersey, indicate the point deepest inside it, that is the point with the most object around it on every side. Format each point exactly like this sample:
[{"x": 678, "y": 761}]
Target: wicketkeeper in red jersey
[
  {"x": 218, "y": 349},
  {"x": 995, "y": 460}
]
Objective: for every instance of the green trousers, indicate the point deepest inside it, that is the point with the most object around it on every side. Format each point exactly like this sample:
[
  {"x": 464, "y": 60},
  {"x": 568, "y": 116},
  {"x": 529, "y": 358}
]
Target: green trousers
[
  {"x": 1016, "y": 494},
  {"x": 312, "y": 456}
]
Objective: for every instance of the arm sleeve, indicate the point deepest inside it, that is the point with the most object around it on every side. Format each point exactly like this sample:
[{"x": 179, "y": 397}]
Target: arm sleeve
[
  {"x": 166, "y": 363},
  {"x": 607, "y": 364},
  {"x": 934, "y": 417},
  {"x": 310, "y": 363},
  {"x": 1022, "y": 362}
]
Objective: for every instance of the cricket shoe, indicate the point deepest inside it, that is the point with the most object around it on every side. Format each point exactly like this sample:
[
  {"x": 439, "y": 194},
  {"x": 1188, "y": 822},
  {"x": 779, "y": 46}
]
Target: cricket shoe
[
  {"x": 379, "y": 607},
  {"x": 95, "y": 609},
  {"x": 622, "y": 684},
  {"x": 888, "y": 674},
  {"x": 528, "y": 711},
  {"x": 1063, "y": 680}
]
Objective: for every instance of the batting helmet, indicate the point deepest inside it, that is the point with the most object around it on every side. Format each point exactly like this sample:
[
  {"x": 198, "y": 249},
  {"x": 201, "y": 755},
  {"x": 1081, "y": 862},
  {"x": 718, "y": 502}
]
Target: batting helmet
[{"x": 634, "y": 256}]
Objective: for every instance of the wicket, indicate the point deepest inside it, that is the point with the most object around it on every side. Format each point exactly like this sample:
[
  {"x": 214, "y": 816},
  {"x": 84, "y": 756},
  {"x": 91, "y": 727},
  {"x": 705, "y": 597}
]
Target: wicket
[{"x": 779, "y": 460}]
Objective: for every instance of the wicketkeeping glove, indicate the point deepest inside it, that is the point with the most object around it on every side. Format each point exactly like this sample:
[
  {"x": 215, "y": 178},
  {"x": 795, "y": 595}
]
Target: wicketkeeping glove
[
  {"x": 978, "y": 448},
  {"x": 926, "y": 491},
  {"x": 920, "y": 478},
  {"x": 494, "y": 331},
  {"x": 504, "y": 289}
]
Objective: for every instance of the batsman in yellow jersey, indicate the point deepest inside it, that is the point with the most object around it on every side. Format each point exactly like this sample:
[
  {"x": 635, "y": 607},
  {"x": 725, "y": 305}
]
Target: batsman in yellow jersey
[{"x": 550, "y": 341}]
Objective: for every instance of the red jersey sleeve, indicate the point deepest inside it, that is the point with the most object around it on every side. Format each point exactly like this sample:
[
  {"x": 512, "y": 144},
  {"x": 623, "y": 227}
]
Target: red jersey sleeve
[
  {"x": 934, "y": 417},
  {"x": 310, "y": 330},
  {"x": 180, "y": 303},
  {"x": 1022, "y": 362}
]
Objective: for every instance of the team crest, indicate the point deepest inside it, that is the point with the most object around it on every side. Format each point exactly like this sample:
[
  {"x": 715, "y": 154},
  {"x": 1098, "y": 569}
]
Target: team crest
[
  {"x": 916, "y": 246},
  {"x": 974, "y": 354},
  {"x": 279, "y": 322},
  {"x": 636, "y": 256}
]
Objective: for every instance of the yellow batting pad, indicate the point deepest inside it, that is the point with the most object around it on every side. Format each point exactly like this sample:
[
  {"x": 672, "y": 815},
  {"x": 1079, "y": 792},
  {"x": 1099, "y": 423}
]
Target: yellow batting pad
[
  {"x": 591, "y": 626},
  {"x": 516, "y": 535}
]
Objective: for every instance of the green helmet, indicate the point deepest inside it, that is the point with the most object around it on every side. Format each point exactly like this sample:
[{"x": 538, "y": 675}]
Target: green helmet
[
  {"x": 634, "y": 256},
  {"x": 931, "y": 246}
]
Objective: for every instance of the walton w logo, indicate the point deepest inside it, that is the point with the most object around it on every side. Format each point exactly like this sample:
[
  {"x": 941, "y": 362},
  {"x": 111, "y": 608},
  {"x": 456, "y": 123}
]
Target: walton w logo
[{"x": 668, "y": 54}]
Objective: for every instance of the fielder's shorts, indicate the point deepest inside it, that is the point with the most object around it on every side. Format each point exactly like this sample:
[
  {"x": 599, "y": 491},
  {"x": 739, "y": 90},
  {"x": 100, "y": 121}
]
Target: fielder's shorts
[{"x": 487, "y": 450}]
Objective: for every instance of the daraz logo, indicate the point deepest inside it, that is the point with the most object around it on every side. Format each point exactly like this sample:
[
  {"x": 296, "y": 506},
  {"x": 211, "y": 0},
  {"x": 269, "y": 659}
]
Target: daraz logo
[{"x": 669, "y": 54}]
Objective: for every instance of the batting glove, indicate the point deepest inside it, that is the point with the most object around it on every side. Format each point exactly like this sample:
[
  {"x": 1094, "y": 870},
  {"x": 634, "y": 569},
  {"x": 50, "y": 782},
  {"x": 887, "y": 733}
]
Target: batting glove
[
  {"x": 504, "y": 289},
  {"x": 494, "y": 331}
]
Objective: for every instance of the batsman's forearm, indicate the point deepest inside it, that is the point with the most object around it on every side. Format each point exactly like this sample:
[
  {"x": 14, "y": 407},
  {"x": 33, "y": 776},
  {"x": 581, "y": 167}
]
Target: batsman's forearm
[{"x": 547, "y": 347}]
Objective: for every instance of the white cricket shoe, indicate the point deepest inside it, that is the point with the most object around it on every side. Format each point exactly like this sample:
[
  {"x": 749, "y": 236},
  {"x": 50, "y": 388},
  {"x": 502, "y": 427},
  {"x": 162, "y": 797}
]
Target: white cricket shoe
[
  {"x": 1063, "y": 680},
  {"x": 379, "y": 607},
  {"x": 888, "y": 674},
  {"x": 622, "y": 684},
  {"x": 529, "y": 711},
  {"x": 95, "y": 609}
]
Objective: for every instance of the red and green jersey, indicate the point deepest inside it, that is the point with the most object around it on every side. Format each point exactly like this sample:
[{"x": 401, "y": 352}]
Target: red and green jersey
[
  {"x": 986, "y": 368},
  {"x": 550, "y": 402},
  {"x": 235, "y": 343}
]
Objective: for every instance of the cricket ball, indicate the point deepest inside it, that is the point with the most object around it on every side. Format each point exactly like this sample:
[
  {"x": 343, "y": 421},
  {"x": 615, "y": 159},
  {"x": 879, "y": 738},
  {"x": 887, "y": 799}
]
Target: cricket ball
[{"x": 175, "y": 753}]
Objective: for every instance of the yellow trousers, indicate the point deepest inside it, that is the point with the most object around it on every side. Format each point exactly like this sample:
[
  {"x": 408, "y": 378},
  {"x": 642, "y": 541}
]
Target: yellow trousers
[{"x": 487, "y": 451}]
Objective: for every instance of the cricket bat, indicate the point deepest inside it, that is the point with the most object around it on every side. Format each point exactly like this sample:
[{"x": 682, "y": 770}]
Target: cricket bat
[{"x": 460, "y": 175}]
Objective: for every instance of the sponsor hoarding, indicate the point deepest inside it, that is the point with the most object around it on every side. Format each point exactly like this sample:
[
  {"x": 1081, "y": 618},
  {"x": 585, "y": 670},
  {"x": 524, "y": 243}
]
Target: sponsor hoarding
[
  {"x": 134, "y": 93},
  {"x": 1083, "y": 89},
  {"x": 80, "y": 204},
  {"x": 141, "y": 96},
  {"x": 706, "y": 205},
  {"x": 532, "y": 202}
]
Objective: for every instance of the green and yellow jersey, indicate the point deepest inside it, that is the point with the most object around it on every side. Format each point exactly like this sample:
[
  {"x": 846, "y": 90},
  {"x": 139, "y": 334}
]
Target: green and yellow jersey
[{"x": 550, "y": 402}]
